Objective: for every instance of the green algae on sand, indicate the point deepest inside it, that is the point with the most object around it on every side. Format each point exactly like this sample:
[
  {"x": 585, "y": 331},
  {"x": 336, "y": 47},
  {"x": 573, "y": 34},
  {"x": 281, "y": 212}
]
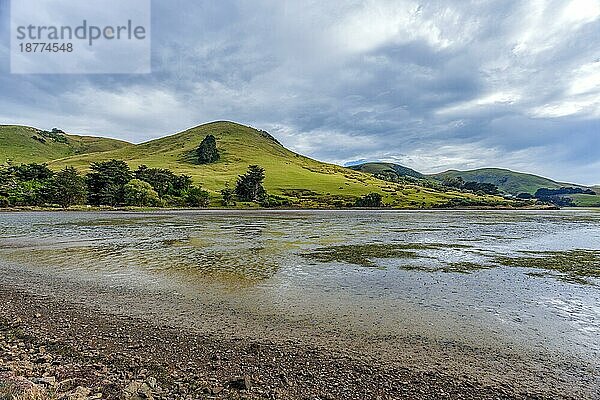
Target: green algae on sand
[
  {"x": 573, "y": 266},
  {"x": 364, "y": 254}
]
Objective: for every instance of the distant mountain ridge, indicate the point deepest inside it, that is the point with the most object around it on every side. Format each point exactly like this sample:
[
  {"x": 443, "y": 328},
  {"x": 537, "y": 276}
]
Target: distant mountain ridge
[{"x": 507, "y": 181}]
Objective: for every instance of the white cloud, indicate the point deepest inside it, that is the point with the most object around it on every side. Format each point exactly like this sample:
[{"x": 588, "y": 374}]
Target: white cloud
[
  {"x": 585, "y": 106},
  {"x": 587, "y": 79},
  {"x": 375, "y": 23},
  {"x": 489, "y": 100},
  {"x": 544, "y": 24}
]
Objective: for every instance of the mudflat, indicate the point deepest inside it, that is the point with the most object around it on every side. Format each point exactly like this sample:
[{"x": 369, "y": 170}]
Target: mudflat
[{"x": 301, "y": 305}]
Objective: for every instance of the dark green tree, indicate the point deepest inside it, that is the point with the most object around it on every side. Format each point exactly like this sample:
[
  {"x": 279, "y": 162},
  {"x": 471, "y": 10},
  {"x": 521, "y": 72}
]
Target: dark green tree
[
  {"x": 207, "y": 151},
  {"x": 7, "y": 181},
  {"x": 31, "y": 172},
  {"x": 455, "y": 182},
  {"x": 28, "y": 193},
  {"x": 68, "y": 188},
  {"x": 181, "y": 184},
  {"x": 25, "y": 184},
  {"x": 249, "y": 186},
  {"x": 370, "y": 200},
  {"x": 478, "y": 187},
  {"x": 106, "y": 182},
  {"x": 164, "y": 181},
  {"x": 196, "y": 197},
  {"x": 227, "y": 194},
  {"x": 525, "y": 196}
]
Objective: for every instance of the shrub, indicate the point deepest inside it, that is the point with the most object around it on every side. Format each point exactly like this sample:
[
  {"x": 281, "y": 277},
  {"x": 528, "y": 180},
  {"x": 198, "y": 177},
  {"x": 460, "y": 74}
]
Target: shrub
[
  {"x": 370, "y": 200},
  {"x": 139, "y": 193},
  {"x": 196, "y": 197}
]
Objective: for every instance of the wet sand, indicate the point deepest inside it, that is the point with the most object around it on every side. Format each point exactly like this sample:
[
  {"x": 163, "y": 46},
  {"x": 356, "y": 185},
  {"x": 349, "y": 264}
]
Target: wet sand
[
  {"x": 107, "y": 342},
  {"x": 105, "y": 353},
  {"x": 275, "y": 305}
]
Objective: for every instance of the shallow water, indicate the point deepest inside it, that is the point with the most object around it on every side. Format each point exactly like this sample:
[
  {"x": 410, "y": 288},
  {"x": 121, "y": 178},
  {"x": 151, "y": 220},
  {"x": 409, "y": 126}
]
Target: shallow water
[{"x": 443, "y": 284}]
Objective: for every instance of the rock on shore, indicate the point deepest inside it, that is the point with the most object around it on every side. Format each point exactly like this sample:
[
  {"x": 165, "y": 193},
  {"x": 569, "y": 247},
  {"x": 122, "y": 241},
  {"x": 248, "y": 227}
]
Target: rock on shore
[{"x": 61, "y": 351}]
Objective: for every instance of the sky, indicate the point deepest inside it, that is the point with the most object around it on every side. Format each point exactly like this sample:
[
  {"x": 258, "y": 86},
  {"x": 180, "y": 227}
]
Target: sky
[{"x": 432, "y": 85}]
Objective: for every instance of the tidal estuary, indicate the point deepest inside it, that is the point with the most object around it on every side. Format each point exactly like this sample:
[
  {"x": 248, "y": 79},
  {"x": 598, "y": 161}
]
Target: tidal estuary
[{"x": 503, "y": 298}]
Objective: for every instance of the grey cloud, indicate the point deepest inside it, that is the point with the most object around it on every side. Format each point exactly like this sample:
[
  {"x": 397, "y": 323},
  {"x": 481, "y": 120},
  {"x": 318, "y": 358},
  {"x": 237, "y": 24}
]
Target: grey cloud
[{"x": 434, "y": 85}]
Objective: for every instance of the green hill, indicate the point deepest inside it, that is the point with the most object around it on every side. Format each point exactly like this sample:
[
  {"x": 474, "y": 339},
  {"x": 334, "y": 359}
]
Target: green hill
[
  {"x": 21, "y": 144},
  {"x": 387, "y": 168},
  {"x": 507, "y": 181},
  {"x": 306, "y": 181}
]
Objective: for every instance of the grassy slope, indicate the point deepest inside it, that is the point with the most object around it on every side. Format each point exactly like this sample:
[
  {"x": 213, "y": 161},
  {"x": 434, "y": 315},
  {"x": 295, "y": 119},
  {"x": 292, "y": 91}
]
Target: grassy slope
[
  {"x": 506, "y": 180},
  {"x": 17, "y": 145},
  {"x": 241, "y": 146},
  {"x": 586, "y": 200},
  {"x": 516, "y": 182}
]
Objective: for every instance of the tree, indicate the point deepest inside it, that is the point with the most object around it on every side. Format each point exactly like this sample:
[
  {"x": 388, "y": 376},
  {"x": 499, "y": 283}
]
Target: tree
[
  {"x": 196, "y": 197},
  {"x": 227, "y": 195},
  {"x": 139, "y": 193},
  {"x": 164, "y": 181},
  {"x": 7, "y": 181},
  {"x": 68, "y": 188},
  {"x": 106, "y": 182},
  {"x": 207, "y": 151},
  {"x": 456, "y": 182},
  {"x": 525, "y": 196},
  {"x": 181, "y": 184},
  {"x": 28, "y": 193},
  {"x": 485, "y": 188},
  {"x": 31, "y": 172},
  {"x": 249, "y": 186},
  {"x": 370, "y": 200},
  {"x": 25, "y": 184}
]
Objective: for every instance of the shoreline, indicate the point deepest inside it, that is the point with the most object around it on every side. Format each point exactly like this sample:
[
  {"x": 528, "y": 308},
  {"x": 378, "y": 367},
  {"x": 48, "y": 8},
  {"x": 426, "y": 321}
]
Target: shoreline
[
  {"x": 69, "y": 349},
  {"x": 157, "y": 209},
  {"x": 97, "y": 349}
]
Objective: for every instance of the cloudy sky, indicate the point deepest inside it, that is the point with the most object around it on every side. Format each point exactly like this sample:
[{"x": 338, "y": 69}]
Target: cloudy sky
[{"x": 432, "y": 85}]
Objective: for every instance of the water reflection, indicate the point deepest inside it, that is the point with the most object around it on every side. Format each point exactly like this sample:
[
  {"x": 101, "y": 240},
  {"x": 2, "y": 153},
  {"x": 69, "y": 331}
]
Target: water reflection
[{"x": 438, "y": 268}]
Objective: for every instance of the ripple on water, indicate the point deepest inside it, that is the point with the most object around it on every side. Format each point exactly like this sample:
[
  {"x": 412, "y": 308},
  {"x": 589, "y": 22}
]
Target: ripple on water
[{"x": 438, "y": 268}]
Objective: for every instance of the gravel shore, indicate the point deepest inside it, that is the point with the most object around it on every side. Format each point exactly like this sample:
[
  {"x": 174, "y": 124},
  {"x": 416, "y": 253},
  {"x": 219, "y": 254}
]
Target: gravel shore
[{"x": 62, "y": 350}]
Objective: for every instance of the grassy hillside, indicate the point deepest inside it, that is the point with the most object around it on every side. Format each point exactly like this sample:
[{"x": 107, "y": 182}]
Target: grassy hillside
[
  {"x": 21, "y": 144},
  {"x": 586, "y": 200},
  {"x": 507, "y": 181},
  {"x": 304, "y": 180},
  {"x": 386, "y": 168}
]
